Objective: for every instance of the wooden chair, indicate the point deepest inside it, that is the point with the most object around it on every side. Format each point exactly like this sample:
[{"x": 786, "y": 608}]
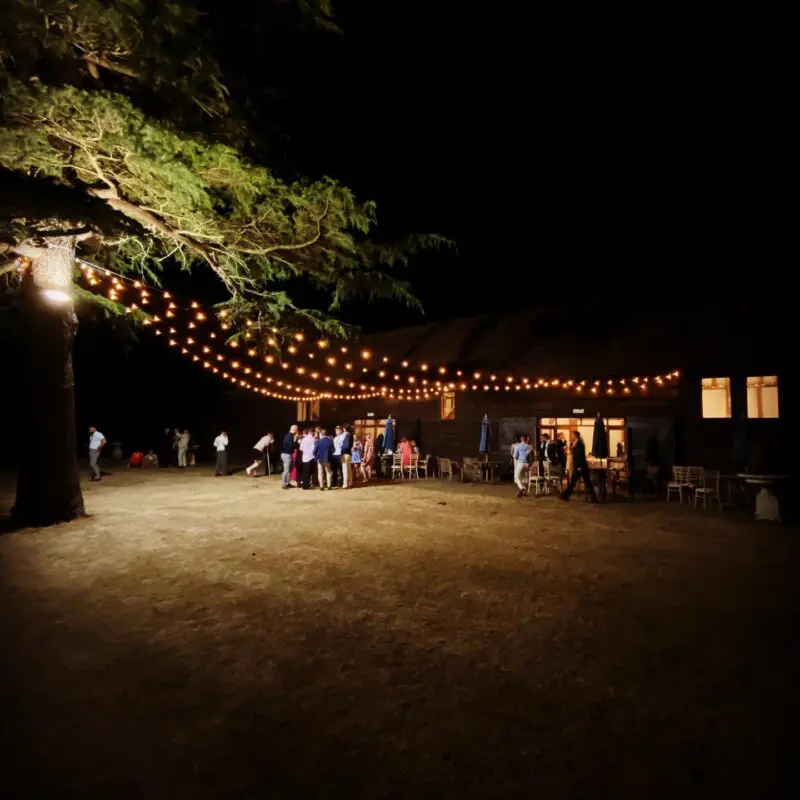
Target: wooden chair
[
  {"x": 696, "y": 477},
  {"x": 397, "y": 465},
  {"x": 422, "y": 465},
  {"x": 412, "y": 468},
  {"x": 554, "y": 478},
  {"x": 537, "y": 479},
  {"x": 709, "y": 488},
  {"x": 679, "y": 483},
  {"x": 445, "y": 468}
]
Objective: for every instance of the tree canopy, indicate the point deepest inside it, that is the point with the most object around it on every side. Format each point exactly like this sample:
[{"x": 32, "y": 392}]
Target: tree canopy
[{"x": 156, "y": 188}]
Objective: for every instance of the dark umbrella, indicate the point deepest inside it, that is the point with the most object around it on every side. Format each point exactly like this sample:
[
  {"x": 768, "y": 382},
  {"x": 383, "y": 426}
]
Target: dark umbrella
[
  {"x": 388, "y": 434},
  {"x": 483, "y": 447},
  {"x": 599, "y": 439}
]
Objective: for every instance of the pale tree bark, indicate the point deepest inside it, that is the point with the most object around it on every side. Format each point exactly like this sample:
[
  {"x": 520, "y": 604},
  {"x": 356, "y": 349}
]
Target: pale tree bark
[{"x": 48, "y": 482}]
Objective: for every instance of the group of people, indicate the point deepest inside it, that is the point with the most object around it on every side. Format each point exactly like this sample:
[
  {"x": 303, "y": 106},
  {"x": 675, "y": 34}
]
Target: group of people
[
  {"x": 569, "y": 460},
  {"x": 313, "y": 458}
]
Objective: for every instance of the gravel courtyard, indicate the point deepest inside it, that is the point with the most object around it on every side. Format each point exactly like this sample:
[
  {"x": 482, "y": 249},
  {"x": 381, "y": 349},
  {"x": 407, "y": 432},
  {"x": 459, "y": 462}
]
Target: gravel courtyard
[{"x": 219, "y": 638}]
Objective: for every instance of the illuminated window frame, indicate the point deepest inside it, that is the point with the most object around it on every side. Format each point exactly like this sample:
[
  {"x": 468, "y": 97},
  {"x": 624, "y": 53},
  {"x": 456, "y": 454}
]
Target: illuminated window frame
[
  {"x": 447, "y": 406},
  {"x": 715, "y": 398},
  {"x": 762, "y": 396}
]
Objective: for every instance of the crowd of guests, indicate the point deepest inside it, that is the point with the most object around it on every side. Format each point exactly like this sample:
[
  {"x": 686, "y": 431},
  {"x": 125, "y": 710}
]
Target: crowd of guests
[{"x": 315, "y": 458}]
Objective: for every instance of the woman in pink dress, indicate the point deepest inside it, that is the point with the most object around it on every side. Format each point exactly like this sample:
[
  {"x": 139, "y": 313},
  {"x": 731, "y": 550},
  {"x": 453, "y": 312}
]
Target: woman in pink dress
[
  {"x": 368, "y": 458},
  {"x": 405, "y": 452}
]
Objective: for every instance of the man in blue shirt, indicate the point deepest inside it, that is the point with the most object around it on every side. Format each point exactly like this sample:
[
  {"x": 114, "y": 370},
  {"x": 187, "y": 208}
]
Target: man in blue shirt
[
  {"x": 286, "y": 455},
  {"x": 522, "y": 463},
  {"x": 323, "y": 450}
]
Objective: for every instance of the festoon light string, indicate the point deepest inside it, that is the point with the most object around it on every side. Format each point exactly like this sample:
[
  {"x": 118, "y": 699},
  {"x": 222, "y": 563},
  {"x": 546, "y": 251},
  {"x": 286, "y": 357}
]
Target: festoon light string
[{"x": 264, "y": 367}]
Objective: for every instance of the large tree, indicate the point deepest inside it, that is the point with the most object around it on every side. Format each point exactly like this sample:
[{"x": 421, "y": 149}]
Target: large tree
[{"x": 114, "y": 123}]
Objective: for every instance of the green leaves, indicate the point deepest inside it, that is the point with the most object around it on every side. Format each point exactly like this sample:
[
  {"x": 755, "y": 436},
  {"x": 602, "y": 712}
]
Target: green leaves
[{"x": 171, "y": 197}]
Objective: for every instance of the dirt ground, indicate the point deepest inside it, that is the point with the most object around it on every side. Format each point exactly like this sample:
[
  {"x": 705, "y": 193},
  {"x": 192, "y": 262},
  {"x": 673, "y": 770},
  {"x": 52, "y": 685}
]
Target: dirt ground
[{"x": 204, "y": 637}]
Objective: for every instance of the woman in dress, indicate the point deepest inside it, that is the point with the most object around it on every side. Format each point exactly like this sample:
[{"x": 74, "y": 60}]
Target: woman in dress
[
  {"x": 356, "y": 458},
  {"x": 405, "y": 452},
  {"x": 369, "y": 458}
]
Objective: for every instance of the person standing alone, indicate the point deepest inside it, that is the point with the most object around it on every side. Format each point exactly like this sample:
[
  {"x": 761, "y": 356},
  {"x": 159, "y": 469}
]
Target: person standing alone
[
  {"x": 96, "y": 442},
  {"x": 287, "y": 447},
  {"x": 221, "y": 446},
  {"x": 183, "y": 447}
]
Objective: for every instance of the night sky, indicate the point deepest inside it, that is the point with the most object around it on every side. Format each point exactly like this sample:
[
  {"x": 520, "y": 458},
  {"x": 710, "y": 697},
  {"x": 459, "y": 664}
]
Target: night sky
[{"x": 569, "y": 157}]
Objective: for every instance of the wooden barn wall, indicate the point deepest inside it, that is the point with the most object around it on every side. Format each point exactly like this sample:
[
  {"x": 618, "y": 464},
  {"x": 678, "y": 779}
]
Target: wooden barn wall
[{"x": 677, "y": 422}]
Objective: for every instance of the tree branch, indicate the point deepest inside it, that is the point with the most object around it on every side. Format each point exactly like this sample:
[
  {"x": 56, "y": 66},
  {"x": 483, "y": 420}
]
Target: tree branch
[
  {"x": 22, "y": 250},
  {"x": 159, "y": 226},
  {"x": 98, "y": 61},
  {"x": 300, "y": 246}
]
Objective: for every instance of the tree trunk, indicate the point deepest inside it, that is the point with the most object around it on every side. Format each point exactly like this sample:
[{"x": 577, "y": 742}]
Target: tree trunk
[{"x": 48, "y": 481}]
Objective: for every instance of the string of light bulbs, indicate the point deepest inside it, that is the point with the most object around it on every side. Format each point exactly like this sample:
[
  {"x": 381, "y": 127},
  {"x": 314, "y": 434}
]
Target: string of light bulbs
[{"x": 421, "y": 383}]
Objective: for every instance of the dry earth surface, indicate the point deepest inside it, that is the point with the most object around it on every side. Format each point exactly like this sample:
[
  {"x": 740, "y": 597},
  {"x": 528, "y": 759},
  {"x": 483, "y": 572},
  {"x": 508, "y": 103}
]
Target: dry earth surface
[{"x": 219, "y": 638}]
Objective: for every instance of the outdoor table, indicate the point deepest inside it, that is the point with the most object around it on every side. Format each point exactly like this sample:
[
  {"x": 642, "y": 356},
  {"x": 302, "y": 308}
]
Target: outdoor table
[
  {"x": 767, "y": 507},
  {"x": 731, "y": 483},
  {"x": 384, "y": 465},
  {"x": 598, "y": 472},
  {"x": 489, "y": 469}
]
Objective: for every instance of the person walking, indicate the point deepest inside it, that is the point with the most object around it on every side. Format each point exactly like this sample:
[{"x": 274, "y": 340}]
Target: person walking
[
  {"x": 260, "y": 452},
  {"x": 221, "y": 446},
  {"x": 287, "y": 447},
  {"x": 96, "y": 443},
  {"x": 307, "y": 444},
  {"x": 580, "y": 469},
  {"x": 369, "y": 457},
  {"x": 347, "y": 456},
  {"x": 323, "y": 450},
  {"x": 522, "y": 463},
  {"x": 183, "y": 447}
]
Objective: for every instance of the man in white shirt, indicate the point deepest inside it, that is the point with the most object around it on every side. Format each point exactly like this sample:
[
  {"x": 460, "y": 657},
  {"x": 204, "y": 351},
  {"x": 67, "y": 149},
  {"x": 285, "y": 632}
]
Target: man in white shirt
[
  {"x": 307, "y": 444},
  {"x": 336, "y": 458},
  {"x": 260, "y": 452},
  {"x": 221, "y": 446},
  {"x": 96, "y": 442}
]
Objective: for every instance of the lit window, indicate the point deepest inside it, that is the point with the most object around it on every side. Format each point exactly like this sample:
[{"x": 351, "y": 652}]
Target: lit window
[
  {"x": 716, "y": 398},
  {"x": 762, "y": 397},
  {"x": 448, "y": 409}
]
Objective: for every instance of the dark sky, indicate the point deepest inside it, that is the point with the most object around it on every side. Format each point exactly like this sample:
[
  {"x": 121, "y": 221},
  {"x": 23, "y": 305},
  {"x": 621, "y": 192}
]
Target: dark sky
[
  {"x": 570, "y": 156},
  {"x": 565, "y": 154}
]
